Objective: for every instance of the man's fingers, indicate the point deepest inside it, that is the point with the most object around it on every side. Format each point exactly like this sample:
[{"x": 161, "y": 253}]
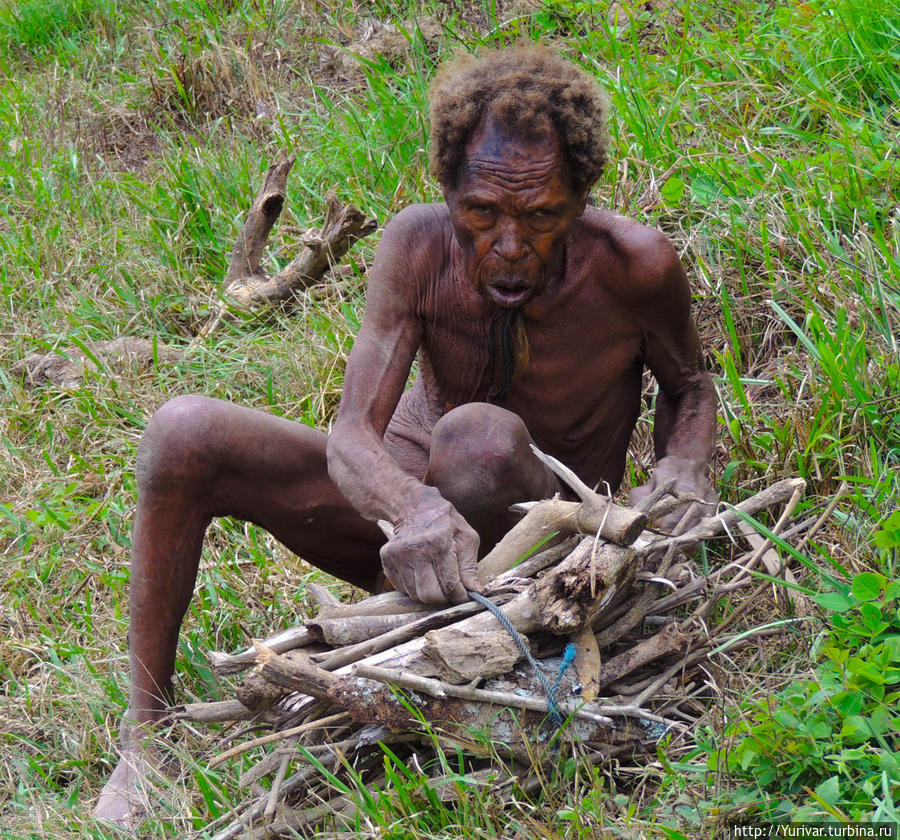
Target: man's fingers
[
  {"x": 447, "y": 571},
  {"x": 468, "y": 575},
  {"x": 428, "y": 588}
]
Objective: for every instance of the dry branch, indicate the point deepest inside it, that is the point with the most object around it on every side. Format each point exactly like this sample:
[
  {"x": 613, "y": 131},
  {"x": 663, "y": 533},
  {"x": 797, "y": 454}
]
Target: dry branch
[
  {"x": 557, "y": 517},
  {"x": 246, "y": 286}
]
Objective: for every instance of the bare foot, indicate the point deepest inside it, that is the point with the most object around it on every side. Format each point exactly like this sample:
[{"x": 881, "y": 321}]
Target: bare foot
[{"x": 134, "y": 785}]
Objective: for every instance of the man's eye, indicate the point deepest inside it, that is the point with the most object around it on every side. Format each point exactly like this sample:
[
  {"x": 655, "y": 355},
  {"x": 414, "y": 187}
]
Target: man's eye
[{"x": 542, "y": 219}]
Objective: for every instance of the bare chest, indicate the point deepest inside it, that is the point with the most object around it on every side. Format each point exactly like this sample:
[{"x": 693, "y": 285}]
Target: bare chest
[{"x": 582, "y": 358}]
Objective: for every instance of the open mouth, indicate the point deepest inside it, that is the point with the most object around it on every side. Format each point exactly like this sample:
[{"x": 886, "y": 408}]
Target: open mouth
[{"x": 508, "y": 296}]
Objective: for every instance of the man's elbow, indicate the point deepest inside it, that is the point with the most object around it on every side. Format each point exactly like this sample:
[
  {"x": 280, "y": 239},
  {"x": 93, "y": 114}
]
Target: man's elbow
[{"x": 338, "y": 452}]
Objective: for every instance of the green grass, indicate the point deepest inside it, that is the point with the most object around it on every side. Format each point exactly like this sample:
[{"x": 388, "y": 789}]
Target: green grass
[{"x": 761, "y": 139}]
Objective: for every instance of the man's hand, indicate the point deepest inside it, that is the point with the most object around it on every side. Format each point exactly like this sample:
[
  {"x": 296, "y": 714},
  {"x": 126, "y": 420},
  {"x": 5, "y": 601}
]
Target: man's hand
[
  {"x": 433, "y": 555},
  {"x": 690, "y": 480}
]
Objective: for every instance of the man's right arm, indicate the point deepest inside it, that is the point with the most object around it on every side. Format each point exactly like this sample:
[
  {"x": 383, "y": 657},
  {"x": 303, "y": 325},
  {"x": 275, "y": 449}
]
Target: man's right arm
[{"x": 433, "y": 554}]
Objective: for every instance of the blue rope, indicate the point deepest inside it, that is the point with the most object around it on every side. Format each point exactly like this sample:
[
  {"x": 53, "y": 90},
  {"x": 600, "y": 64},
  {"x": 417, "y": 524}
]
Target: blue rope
[{"x": 556, "y": 714}]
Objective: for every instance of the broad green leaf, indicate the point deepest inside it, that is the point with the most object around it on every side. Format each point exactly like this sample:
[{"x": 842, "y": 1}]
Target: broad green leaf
[
  {"x": 748, "y": 759},
  {"x": 880, "y": 720},
  {"x": 833, "y": 601},
  {"x": 673, "y": 190},
  {"x": 829, "y": 791},
  {"x": 848, "y": 703},
  {"x": 704, "y": 190},
  {"x": 856, "y": 728},
  {"x": 867, "y": 586}
]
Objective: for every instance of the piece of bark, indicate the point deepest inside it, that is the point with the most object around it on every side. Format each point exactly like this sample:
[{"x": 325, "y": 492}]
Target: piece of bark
[
  {"x": 588, "y": 662},
  {"x": 477, "y": 648},
  {"x": 563, "y": 600}
]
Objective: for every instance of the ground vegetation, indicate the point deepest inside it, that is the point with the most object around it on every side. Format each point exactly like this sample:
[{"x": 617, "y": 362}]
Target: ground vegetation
[{"x": 760, "y": 137}]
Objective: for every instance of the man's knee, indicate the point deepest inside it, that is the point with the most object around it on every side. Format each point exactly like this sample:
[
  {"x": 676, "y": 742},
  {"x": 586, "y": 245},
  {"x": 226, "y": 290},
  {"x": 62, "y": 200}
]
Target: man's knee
[
  {"x": 178, "y": 444},
  {"x": 480, "y": 451}
]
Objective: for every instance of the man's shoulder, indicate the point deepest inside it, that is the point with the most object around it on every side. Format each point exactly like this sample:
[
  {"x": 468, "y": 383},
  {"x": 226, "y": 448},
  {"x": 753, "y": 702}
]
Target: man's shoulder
[
  {"x": 646, "y": 263},
  {"x": 413, "y": 246},
  {"x": 629, "y": 240},
  {"x": 419, "y": 223}
]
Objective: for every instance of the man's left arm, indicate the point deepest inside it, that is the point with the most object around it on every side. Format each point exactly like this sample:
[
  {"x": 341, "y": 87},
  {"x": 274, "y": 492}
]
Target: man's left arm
[{"x": 685, "y": 419}]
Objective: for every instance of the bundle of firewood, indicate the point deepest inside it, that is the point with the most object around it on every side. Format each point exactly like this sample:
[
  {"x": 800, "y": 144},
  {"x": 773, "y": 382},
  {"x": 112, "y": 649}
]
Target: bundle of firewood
[{"x": 389, "y": 670}]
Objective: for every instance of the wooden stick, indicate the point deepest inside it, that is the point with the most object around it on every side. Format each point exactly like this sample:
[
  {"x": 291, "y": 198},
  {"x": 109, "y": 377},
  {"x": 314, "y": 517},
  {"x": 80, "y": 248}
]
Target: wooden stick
[
  {"x": 221, "y": 711},
  {"x": 537, "y": 562},
  {"x": 641, "y": 605},
  {"x": 595, "y": 514},
  {"x": 333, "y": 660},
  {"x": 293, "y": 637},
  {"x": 712, "y": 526},
  {"x": 274, "y": 737},
  {"x": 442, "y": 690},
  {"x": 296, "y": 674},
  {"x": 569, "y": 477},
  {"x": 247, "y": 286},
  {"x": 648, "y": 503},
  {"x": 670, "y": 639},
  {"x": 275, "y": 791},
  {"x": 265, "y": 210},
  {"x": 351, "y": 630},
  {"x": 388, "y": 603},
  {"x": 595, "y": 713},
  {"x": 323, "y": 597}
]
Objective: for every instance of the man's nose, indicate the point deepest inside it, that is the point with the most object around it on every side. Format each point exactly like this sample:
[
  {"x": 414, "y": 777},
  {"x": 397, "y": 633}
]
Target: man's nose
[{"x": 510, "y": 244}]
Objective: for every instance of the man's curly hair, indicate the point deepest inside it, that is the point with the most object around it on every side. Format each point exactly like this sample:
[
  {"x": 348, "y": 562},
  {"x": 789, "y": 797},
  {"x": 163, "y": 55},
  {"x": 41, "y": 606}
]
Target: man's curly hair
[{"x": 521, "y": 86}]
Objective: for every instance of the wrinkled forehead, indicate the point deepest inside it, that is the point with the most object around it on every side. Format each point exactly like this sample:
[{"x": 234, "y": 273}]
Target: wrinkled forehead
[
  {"x": 496, "y": 139},
  {"x": 495, "y": 147}
]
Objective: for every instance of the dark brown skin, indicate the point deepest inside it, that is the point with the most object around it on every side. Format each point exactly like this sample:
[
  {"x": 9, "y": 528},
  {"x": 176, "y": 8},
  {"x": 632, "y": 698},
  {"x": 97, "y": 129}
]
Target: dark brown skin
[{"x": 600, "y": 297}]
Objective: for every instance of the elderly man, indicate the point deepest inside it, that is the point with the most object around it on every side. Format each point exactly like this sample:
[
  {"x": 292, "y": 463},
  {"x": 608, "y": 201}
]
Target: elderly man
[{"x": 533, "y": 317}]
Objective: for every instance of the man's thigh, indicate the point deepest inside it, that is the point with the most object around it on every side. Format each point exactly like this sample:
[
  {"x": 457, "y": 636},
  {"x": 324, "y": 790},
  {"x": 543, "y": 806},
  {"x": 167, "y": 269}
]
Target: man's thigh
[{"x": 273, "y": 472}]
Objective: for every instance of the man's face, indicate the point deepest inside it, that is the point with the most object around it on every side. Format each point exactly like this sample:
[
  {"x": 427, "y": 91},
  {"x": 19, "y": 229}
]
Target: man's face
[{"x": 511, "y": 208}]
